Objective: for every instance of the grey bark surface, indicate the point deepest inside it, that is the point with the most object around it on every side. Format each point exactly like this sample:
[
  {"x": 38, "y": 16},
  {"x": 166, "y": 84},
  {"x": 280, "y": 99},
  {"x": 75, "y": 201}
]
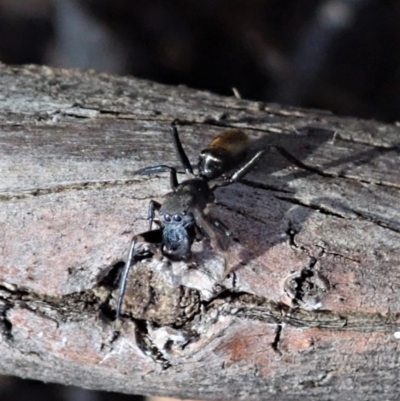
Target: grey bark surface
[{"x": 312, "y": 307}]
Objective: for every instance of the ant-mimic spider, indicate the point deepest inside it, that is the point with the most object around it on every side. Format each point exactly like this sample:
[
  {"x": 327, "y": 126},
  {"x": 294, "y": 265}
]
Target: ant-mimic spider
[{"x": 183, "y": 216}]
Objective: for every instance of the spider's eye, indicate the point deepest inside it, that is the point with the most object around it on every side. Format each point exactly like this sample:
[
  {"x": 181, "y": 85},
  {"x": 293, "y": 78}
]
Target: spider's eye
[
  {"x": 211, "y": 164},
  {"x": 167, "y": 217},
  {"x": 177, "y": 217}
]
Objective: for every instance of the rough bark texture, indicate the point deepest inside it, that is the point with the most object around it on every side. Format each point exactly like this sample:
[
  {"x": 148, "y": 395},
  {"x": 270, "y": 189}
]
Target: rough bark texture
[{"x": 312, "y": 308}]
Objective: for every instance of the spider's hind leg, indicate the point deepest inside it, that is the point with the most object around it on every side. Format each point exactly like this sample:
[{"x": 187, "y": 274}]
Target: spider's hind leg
[
  {"x": 239, "y": 173},
  {"x": 207, "y": 224}
]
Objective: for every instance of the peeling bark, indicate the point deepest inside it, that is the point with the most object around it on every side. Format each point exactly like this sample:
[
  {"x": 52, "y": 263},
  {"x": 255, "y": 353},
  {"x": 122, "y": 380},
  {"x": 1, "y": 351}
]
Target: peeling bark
[{"x": 311, "y": 307}]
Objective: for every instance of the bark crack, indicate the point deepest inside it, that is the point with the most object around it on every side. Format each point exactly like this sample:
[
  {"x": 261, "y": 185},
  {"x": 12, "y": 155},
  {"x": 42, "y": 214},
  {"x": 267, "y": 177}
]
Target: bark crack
[
  {"x": 325, "y": 174},
  {"x": 334, "y": 213},
  {"x": 5, "y": 324},
  {"x": 79, "y": 306},
  {"x": 239, "y": 212},
  {"x": 319, "y": 208},
  {"x": 277, "y": 339},
  {"x": 259, "y": 185},
  {"x": 378, "y": 145},
  {"x": 79, "y": 186},
  {"x": 251, "y": 307},
  {"x": 147, "y": 346}
]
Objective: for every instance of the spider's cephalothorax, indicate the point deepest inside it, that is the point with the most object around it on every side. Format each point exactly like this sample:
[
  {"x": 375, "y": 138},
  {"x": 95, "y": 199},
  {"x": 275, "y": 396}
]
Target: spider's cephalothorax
[{"x": 183, "y": 216}]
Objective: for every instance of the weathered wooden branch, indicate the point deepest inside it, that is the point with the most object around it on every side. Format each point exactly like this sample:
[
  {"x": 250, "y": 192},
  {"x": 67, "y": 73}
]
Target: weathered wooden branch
[{"x": 312, "y": 308}]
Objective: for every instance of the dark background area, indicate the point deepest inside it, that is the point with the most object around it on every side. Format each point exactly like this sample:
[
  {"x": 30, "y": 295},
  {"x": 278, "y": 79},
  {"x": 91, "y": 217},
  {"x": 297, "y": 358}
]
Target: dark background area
[{"x": 341, "y": 55}]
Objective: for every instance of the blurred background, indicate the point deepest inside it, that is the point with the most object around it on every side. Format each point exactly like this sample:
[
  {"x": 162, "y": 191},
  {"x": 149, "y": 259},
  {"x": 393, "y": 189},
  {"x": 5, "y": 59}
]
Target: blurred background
[{"x": 341, "y": 55}]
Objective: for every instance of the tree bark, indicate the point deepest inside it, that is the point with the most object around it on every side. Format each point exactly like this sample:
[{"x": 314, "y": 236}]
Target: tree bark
[{"x": 311, "y": 307}]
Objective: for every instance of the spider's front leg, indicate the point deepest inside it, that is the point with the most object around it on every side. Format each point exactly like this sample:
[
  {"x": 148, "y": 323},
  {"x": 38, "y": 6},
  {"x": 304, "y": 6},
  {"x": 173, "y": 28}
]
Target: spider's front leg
[
  {"x": 153, "y": 206},
  {"x": 154, "y": 239},
  {"x": 179, "y": 149},
  {"x": 173, "y": 179}
]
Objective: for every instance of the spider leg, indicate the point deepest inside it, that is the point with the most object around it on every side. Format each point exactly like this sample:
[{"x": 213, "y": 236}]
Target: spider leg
[
  {"x": 173, "y": 179},
  {"x": 242, "y": 171},
  {"x": 204, "y": 223},
  {"x": 153, "y": 238},
  {"x": 245, "y": 168},
  {"x": 238, "y": 173},
  {"x": 179, "y": 149},
  {"x": 153, "y": 206}
]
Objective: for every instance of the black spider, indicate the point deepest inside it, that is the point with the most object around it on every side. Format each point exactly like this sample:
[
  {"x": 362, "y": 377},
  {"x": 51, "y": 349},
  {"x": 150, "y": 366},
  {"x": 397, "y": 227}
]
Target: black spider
[{"x": 183, "y": 216}]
